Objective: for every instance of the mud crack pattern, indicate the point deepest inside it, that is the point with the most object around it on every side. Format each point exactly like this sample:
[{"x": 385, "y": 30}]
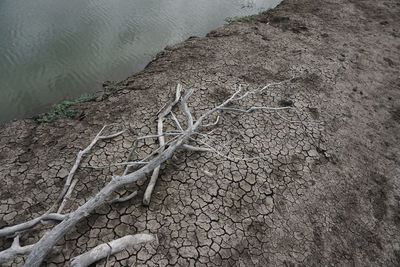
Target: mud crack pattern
[{"x": 321, "y": 194}]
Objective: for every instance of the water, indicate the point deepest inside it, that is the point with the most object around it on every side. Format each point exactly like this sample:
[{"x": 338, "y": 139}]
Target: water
[{"x": 52, "y": 50}]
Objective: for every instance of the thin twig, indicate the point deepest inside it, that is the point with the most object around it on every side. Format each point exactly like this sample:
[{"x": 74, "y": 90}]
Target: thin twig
[
  {"x": 11, "y": 230},
  {"x": 177, "y": 123},
  {"x": 135, "y": 144},
  {"x": 130, "y": 164},
  {"x": 196, "y": 149},
  {"x": 161, "y": 139},
  {"x": 76, "y": 165},
  {"x": 126, "y": 198},
  {"x": 253, "y": 109},
  {"x": 212, "y": 149},
  {"x": 156, "y": 171},
  {"x": 212, "y": 124},
  {"x": 185, "y": 108}
]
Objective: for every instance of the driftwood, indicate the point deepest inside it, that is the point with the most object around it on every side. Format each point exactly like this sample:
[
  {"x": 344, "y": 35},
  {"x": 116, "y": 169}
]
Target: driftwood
[
  {"x": 70, "y": 184},
  {"x": 110, "y": 248},
  {"x": 9, "y": 231},
  {"x": 164, "y": 112},
  {"x": 14, "y": 250},
  {"x": 141, "y": 168}
]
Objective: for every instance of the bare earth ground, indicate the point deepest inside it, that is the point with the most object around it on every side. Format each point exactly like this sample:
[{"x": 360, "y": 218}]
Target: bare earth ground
[{"x": 325, "y": 194}]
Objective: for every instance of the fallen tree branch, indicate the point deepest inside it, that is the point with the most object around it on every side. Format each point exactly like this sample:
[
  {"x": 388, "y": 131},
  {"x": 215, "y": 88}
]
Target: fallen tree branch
[
  {"x": 156, "y": 171},
  {"x": 125, "y": 198},
  {"x": 110, "y": 248},
  {"x": 253, "y": 109},
  {"x": 74, "y": 168},
  {"x": 212, "y": 149},
  {"x": 67, "y": 195},
  {"x": 151, "y": 164},
  {"x": 130, "y": 164},
  {"x": 161, "y": 139},
  {"x": 135, "y": 144},
  {"x": 11, "y": 230},
  {"x": 212, "y": 124},
  {"x": 45, "y": 244},
  {"x": 185, "y": 108},
  {"x": 177, "y": 123},
  {"x": 14, "y": 250},
  {"x": 196, "y": 149}
]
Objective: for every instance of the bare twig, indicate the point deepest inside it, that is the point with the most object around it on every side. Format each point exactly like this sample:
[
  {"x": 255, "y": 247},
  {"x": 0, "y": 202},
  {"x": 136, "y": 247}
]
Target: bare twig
[
  {"x": 161, "y": 139},
  {"x": 156, "y": 171},
  {"x": 11, "y": 230},
  {"x": 212, "y": 149},
  {"x": 67, "y": 195},
  {"x": 130, "y": 164},
  {"x": 196, "y": 149},
  {"x": 135, "y": 144},
  {"x": 212, "y": 124},
  {"x": 253, "y": 109},
  {"x": 169, "y": 106},
  {"x": 125, "y": 198},
  {"x": 76, "y": 165},
  {"x": 185, "y": 108},
  {"x": 177, "y": 123}
]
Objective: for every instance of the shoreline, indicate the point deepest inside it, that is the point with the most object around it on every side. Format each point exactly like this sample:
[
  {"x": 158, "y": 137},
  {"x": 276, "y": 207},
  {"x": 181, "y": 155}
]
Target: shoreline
[
  {"x": 41, "y": 103},
  {"x": 326, "y": 195},
  {"x": 106, "y": 85}
]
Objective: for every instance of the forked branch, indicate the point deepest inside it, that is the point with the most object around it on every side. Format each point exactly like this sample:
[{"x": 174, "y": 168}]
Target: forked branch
[
  {"x": 149, "y": 164},
  {"x": 14, "y": 250}
]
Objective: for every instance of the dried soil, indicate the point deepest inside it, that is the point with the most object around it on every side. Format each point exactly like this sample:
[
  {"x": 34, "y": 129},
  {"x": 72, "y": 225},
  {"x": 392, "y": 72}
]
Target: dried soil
[{"x": 322, "y": 195}]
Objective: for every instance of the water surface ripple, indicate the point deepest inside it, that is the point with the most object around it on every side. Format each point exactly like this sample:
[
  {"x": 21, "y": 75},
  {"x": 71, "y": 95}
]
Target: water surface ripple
[{"x": 52, "y": 50}]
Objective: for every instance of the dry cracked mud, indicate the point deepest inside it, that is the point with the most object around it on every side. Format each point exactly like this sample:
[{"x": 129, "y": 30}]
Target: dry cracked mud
[{"x": 322, "y": 194}]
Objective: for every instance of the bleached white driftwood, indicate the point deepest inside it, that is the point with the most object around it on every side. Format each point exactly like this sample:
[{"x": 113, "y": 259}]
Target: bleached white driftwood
[
  {"x": 11, "y": 230},
  {"x": 110, "y": 248},
  {"x": 67, "y": 190},
  {"x": 147, "y": 165},
  {"x": 196, "y": 149},
  {"x": 125, "y": 198},
  {"x": 156, "y": 171},
  {"x": 161, "y": 139},
  {"x": 14, "y": 250}
]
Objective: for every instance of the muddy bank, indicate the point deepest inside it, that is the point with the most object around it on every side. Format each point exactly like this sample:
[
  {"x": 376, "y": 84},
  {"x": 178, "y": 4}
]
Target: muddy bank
[{"x": 322, "y": 194}]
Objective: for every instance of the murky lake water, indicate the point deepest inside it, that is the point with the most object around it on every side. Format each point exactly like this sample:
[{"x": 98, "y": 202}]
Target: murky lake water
[{"x": 52, "y": 50}]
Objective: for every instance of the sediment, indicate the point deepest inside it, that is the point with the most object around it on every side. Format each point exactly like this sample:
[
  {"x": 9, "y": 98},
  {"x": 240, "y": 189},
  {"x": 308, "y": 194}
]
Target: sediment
[{"x": 323, "y": 194}]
